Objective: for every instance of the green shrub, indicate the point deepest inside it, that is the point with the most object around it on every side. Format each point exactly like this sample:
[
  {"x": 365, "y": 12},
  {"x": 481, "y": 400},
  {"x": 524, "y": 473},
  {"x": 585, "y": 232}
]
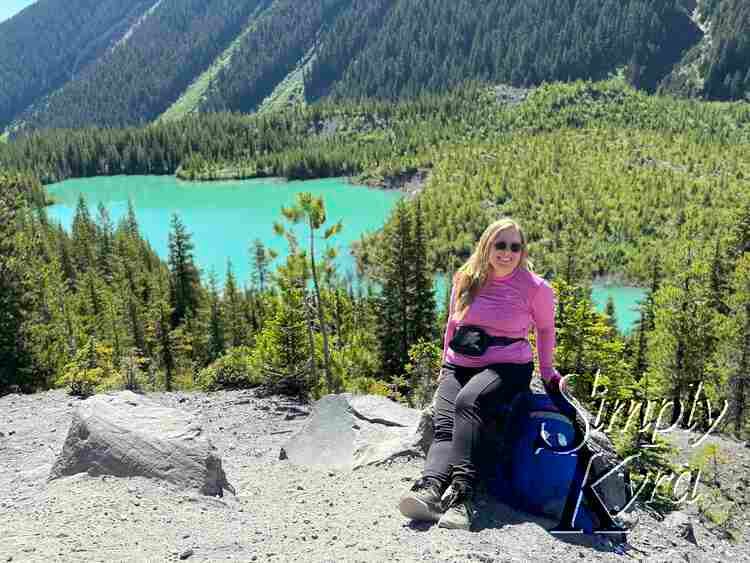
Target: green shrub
[
  {"x": 231, "y": 371},
  {"x": 367, "y": 386},
  {"x": 89, "y": 370},
  {"x": 425, "y": 359}
]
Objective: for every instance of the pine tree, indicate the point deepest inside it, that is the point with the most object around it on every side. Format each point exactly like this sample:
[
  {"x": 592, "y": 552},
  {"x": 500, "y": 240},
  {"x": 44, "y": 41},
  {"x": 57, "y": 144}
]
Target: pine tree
[
  {"x": 104, "y": 246},
  {"x": 216, "y": 340},
  {"x": 739, "y": 346},
  {"x": 720, "y": 272},
  {"x": 739, "y": 236},
  {"x": 15, "y": 361},
  {"x": 184, "y": 279},
  {"x": 609, "y": 311},
  {"x": 65, "y": 253},
  {"x": 311, "y": 211},
  {"x": 47, "y": 343},
  {"x": 84, "y": 236},
  {"x": 130, "y": 223},
  {"x": 394, "y": 326},
  {"x": 587, "y": 344},
  {"x": 683, "y": 340},
  {"x": 260, "y": 259},
  {"x": 284, "y": 353},
  {"x": 421, "y": 282},
  {"x": 235, "y": 325},
  {"x": 161, "y": 329}
]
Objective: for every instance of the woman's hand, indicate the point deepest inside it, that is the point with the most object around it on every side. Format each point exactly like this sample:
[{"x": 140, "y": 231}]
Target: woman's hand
[{"x": 551, "y": 379}]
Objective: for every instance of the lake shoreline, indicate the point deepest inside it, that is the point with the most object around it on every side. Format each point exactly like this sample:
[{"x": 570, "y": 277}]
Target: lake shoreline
[
  {"x": 410, "y": 182},
  {"x": 618, "y": 279}
]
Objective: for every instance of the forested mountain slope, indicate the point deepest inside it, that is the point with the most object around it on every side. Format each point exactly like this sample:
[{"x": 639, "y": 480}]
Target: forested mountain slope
[
  {"x": 728, "y": 72},
  {"x": 118, "y": 63},
  {"x": 51, "y": 42},
  {"x": 139, "y": 79},
  {"x": 395, "y": 48},
  {"x": 282, "y": 37}
]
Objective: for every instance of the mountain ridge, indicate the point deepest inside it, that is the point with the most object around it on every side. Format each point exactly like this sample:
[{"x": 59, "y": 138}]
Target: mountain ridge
[{"x": 114, "y": 64}]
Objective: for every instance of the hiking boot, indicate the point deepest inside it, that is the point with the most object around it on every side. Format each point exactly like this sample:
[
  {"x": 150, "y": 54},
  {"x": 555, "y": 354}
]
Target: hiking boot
[
  {"x": 422, "y": 501},
  {"x": 458, "y": 507}
]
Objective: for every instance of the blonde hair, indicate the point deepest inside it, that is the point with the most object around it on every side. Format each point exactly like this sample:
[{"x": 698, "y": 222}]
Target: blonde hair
[{"x": 474, "y": 273}]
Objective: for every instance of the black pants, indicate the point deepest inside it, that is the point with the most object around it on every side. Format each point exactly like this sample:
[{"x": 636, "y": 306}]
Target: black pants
[{"x": 465, "y": 398}]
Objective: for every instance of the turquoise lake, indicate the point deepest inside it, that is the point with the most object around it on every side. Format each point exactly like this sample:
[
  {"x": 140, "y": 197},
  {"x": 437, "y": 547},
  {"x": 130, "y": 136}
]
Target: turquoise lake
[
  {"x": 226, "y": 217},
  {"x": 626, "y": 301}
]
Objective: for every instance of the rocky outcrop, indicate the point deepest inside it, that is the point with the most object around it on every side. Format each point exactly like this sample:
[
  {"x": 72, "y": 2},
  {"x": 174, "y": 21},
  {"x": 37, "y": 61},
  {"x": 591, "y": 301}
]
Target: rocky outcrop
[
  {"x": 126, "y": 435},
  {"x": 346, "y": 432}
]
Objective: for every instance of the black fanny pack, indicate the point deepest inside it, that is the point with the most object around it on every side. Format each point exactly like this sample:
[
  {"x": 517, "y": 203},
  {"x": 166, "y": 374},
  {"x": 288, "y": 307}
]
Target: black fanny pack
[{"x": 473, "y": 341}]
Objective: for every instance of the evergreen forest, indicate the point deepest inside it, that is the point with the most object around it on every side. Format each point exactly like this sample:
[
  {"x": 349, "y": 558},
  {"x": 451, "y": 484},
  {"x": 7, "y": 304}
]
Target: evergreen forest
[{"x": 132, "y": 62}]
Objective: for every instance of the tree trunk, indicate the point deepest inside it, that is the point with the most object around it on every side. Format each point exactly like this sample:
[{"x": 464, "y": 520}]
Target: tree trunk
[
  {"x": 741, "y": 379},
  {"x": 677, "y": 389},
  {"x": 311, "y": 339},
  {"x": 321, "y": 316}
]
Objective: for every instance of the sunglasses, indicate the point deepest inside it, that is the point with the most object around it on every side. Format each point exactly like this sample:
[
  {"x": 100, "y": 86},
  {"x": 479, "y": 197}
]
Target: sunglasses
[{"x": 514, "y": 246}]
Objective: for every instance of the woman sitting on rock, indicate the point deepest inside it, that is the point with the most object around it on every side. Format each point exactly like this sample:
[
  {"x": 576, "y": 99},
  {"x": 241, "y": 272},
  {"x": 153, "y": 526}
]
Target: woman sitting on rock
[{"x": 487, "y": 361}]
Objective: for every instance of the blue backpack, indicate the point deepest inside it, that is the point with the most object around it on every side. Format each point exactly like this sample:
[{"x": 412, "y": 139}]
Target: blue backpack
[{"x": 532, "y": 476}]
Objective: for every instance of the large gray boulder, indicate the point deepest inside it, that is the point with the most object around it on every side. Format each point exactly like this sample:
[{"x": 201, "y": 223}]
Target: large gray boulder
[
  {"x": 125, "y": 435},
  {"x": 346, "y": 432}
]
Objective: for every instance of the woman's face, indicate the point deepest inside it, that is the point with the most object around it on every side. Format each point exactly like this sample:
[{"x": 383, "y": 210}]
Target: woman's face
[{"x": 504, "y": 261}]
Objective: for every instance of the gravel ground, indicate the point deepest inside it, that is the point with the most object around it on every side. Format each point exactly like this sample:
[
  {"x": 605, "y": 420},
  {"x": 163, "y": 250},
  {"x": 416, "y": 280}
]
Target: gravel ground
[{"x": 280, "y": 513}]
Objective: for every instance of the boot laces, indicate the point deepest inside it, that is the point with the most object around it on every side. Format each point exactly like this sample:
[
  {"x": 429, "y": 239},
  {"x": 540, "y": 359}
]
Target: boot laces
[{"x": 458, "y": 496}]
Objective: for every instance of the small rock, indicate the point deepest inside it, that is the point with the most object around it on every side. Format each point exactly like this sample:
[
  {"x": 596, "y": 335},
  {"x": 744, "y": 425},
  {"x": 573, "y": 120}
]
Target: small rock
[
  {"x": 282, "y": 454},
  {"x": 187, "y": 553},
  {"x": 185, "y": 536}
]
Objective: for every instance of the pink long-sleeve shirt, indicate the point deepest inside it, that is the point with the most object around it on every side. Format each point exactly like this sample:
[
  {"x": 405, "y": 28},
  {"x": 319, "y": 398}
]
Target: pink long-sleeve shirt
[{"x": 508, "y": 306}]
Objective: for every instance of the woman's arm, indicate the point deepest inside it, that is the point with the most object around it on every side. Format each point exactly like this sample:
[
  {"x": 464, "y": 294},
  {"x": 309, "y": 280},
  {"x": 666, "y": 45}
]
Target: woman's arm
[
  {"x": 543, "y": 314},
  {"x": 450, "y": 326}
]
